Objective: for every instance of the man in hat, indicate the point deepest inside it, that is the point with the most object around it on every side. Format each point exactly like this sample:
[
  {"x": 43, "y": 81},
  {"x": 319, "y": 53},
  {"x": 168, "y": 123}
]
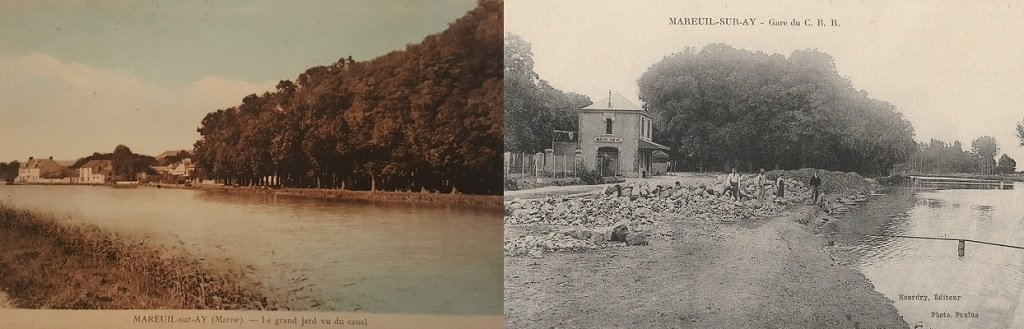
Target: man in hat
[{"x": 815, "y": 187}]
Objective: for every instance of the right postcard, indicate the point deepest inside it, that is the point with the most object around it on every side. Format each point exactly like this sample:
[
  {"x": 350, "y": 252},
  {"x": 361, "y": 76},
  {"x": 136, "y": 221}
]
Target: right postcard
[{"x": 745, "y": 164}]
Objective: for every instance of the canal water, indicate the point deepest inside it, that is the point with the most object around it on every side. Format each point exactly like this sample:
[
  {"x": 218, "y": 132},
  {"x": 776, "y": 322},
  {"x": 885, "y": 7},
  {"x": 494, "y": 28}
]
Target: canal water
[
  {"x": 983, "y": 289},
  {"x": 342, "y": 256}
]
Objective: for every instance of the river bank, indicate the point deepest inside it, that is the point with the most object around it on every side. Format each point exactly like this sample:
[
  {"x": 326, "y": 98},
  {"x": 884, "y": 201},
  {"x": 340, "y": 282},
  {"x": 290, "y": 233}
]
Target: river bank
[
  {"x": 985, "y": 279},
  {"x": 368, "y": 196},
  {"x": 491, "y": 201},
  {"x": 708, "y": 263},
  {"x": 46, "y": 264}
]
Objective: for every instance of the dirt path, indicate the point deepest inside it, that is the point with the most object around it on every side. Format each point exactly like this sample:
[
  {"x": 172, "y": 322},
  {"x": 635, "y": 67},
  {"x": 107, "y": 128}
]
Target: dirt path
[{"x": 772, "y": 274}]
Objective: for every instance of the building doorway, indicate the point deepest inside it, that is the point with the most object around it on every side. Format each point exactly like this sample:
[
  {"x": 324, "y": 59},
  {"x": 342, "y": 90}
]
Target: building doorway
[{"x": 608, "y": 161}]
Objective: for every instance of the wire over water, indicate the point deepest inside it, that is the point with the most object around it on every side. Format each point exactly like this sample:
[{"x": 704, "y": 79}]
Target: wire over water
[{"x": 930, "y": 238}]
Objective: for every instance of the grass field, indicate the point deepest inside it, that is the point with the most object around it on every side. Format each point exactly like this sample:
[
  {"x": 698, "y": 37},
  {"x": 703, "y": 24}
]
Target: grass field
[{"x": 46, "y": 264}]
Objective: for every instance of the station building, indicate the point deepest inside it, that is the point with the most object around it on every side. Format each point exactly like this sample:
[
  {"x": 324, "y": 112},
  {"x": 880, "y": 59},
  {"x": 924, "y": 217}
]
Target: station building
[{"x": 615, "y": 138}]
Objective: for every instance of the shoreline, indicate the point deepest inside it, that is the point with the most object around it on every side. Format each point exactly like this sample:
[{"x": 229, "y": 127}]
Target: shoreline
[
  {"x": 50, "y": 265},
  {"x": 488, "y": 201},
  {"x": 774, "y": 271},
  {"x": 494, "y": 201},
  {"x": 1000, "y": 177}
]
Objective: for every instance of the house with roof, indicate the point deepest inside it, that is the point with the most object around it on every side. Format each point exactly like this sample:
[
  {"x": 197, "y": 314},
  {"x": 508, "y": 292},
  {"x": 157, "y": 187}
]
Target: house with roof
[
  {"x": 183, "y": 168},
  {"x": 40, "y": 171},
  {"x": 172, "y": 156},
  {"x": 615, "y": 138},
  {"x": 95, "y": 172}
]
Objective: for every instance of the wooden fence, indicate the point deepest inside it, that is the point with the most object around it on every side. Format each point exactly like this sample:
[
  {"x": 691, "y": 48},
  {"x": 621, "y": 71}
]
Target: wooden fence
[{"x": 536, "y": 165}]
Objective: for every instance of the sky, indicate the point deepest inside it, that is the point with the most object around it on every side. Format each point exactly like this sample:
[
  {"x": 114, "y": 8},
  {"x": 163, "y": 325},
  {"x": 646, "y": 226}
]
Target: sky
[
  {"x": 80, "y": 76},
  {"x": 954, "y": 69}
]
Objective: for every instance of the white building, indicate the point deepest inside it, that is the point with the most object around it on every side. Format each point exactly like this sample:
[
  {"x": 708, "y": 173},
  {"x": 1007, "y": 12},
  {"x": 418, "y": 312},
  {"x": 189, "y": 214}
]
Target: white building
[
  {"x": 615, "y": 138},
  {"x": 95, "y": 172},
  {"x": 38, "y": 171},
  {"x": 183, "y": 168}
]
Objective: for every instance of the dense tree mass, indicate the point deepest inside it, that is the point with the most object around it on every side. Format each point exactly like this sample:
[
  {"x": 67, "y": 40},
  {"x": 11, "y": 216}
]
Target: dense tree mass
[
  {"x": 938, "y": 157},
  {"x": 533, "y": 108},
  {"x": 8, "y": 171},
  {"x": 426, "y": 118},
  {"x": 95, "y": 156},
  {"x": 1006, "y": 165},
  {"x": 127, "y": 165},
  {"x": 985, "y": 147},
  {"x": 723, "y": 107}
]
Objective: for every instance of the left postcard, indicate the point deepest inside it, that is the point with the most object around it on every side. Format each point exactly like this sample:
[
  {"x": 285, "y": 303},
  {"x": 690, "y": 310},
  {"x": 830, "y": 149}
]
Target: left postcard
[{"x": 313, "y": 164}]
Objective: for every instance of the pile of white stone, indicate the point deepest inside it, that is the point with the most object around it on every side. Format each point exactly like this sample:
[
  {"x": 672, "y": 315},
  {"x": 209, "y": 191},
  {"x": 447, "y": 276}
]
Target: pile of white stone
[
  {"x": 590, "y": 221},
  {"x": 576, "y": 239},
  {"x": 627, "y": 214}
]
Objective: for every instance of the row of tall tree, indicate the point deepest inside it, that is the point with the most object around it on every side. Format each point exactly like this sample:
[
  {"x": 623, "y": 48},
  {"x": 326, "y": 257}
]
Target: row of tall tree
[
  {"x": 723, "y": 107},
  {"x": 533, "y": 109},
  {"x": 426, "y": 118},
  {"x": 938, "y": 157}
]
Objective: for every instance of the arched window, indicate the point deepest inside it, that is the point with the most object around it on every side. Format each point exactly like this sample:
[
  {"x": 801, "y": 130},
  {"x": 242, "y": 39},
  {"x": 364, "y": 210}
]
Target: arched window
[{"x": 608, "y": 126}]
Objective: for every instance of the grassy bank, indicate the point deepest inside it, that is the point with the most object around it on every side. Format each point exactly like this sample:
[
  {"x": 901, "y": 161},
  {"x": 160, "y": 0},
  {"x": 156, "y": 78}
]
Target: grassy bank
[
  {"x": 370, "y": 196},
  {"x": 46, "y": 264}
]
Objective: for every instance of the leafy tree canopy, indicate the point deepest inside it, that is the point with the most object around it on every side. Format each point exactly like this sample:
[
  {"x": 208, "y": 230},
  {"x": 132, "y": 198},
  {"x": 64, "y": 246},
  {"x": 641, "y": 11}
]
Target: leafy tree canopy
[
  {"x": 424, "y": 118},
  {"x": 1006, "y": 165},
  {"x": 722, "y": 107},
  {"x": 985, "y": 147},
  {"x": 533, "y": 109}
]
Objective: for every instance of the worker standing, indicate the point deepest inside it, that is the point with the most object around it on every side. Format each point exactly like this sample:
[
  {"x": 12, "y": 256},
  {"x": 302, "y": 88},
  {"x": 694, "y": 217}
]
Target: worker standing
[
  {"x": 759, "y": 184},
  {"x": 780, "y": 186},
  {"x": 734, "y": 184},
  {"x": 815, "y": 187}
]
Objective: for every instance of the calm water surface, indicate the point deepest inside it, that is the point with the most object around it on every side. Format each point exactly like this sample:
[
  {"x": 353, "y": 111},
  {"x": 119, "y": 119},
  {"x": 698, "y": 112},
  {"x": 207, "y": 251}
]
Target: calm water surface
[
  {"x": 374, "y": 257},
  {"x": 988, "y": 279}
]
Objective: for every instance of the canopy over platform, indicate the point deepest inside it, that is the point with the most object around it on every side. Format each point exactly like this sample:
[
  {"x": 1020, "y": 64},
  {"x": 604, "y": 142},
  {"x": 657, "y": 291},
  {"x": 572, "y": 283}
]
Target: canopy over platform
[{"x": 652, "y": 146}]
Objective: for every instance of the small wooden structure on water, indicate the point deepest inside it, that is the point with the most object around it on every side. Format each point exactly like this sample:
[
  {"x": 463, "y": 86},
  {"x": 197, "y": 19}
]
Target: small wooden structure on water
[{"x": 939, "y": 183}]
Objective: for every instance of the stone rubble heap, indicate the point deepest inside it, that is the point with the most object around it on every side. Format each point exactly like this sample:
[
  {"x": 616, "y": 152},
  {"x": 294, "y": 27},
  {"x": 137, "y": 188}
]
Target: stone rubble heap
[{"x": 627, "y": 214}]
